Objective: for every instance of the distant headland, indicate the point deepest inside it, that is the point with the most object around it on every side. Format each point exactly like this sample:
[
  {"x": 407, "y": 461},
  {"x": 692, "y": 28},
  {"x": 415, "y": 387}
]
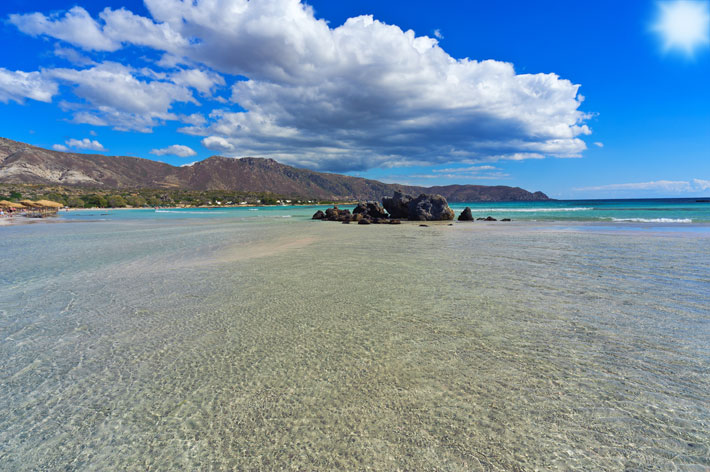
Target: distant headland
[{"x": 24, "y": 164}]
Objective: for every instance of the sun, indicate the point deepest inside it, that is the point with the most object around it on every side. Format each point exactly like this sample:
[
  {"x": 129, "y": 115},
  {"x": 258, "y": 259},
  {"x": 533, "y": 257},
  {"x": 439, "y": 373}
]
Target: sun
[{"x": 684, "y": 25}]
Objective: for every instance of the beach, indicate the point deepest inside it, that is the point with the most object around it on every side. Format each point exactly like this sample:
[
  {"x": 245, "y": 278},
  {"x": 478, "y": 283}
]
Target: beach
[{"x": 209, "y": 343}]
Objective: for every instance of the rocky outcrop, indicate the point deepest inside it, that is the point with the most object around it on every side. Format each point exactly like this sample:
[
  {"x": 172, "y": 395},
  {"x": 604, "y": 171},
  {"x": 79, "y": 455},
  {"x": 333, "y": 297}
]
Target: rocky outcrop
[
  {"x": 370, "y": 210},
  {"x": 397, "y": 205},
  {"x": 430, "y": 208},
  {"x": 319, "y": 215},
  {"x": 466, "y": 215}
]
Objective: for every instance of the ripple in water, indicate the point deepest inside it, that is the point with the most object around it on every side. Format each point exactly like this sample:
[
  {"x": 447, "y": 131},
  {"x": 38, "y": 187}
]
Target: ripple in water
[{"x": 222, "y": 345}]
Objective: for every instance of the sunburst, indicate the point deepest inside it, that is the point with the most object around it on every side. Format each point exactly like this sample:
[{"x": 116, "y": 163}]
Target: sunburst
[{"x": 684, "y": 25}]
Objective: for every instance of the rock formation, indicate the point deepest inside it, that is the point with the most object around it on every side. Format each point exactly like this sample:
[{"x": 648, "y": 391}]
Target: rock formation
[
  {"x": 466, "y": 215},
  {"x": 397, "y": 205},
  {"x": 430, "y": 208}
]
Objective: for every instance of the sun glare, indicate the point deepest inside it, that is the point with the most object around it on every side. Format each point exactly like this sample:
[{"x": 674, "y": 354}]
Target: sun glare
[{"x": 684, "y": 25}]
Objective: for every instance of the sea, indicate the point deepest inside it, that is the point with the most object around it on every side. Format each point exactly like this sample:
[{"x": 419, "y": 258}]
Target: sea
[{"x": 574, "y": 337}]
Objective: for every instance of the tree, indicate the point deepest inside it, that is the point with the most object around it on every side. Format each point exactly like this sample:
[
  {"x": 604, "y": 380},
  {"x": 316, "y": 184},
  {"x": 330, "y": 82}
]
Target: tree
[
  {"x": 75, "y": 202},
  {"x": 135, "y": 201},
  {"x": 95, "y": 200},
  {"x": 116, "y": 201}
]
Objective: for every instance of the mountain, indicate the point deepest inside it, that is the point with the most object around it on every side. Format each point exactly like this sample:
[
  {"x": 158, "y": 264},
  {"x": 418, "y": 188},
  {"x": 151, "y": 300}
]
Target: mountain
[{"x": 22, "y": 163}]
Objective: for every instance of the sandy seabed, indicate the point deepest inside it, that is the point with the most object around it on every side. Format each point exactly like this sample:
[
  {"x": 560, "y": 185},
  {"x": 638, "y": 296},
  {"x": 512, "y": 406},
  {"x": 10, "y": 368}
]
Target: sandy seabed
[{"x": 291, "y": 344}]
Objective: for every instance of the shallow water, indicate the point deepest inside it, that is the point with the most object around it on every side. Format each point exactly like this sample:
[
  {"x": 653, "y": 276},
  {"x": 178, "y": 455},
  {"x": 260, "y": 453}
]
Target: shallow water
[{"x": 268, "y": 343}]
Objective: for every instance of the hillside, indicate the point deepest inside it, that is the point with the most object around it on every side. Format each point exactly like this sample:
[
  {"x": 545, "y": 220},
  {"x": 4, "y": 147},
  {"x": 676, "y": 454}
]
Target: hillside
[{"x": 22, "y": 163}]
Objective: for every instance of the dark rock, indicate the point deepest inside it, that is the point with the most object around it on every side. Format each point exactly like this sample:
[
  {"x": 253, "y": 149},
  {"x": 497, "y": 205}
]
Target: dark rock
[
  {"x": 346, "y": 222},
  {"x": 466, "y": 215},
  {"x": 357, "y": 217},
  {"x": 397, "y": 205},
  {"x": 424, "y": 226},
  {"x": 375, "y": 210},
  {"x": 489, "y": 218},
  {"x": 430, "y": 208},
  {"x": 370, "y": 210},
  {"x": 364, "y": 221},
  {"x": 505, "y": 219},
  {"x": 319, "y": 215},
  {"x": 395, "y": 222},
  {"x": 361, "y": 208},
  {"x": 332, "y": 213}
]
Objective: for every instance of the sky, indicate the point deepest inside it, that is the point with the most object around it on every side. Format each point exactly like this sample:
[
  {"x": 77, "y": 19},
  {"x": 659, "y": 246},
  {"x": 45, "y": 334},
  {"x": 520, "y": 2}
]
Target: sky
[{"x": 588, "y": 99}]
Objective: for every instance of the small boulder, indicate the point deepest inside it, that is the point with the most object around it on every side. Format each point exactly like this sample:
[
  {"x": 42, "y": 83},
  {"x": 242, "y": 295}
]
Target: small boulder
[
  {"x": 395, "y": 222},
  {"x": 506, "y": 219},
  {"x": 319, "y": 215},
  {"x": 466, "y": 215},
  {"x": 489, "y": 218},
  {"x": 364, "y": 221}
]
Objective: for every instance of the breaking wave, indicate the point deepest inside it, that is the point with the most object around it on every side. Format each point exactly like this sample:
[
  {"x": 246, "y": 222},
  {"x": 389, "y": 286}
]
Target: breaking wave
[{"x": 653, "y": 220}]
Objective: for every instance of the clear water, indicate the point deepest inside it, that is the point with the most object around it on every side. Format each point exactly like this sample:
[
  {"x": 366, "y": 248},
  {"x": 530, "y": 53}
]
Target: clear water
[
  {"x": 658, "y": 211},
  {"x": 265, "y": 343}
]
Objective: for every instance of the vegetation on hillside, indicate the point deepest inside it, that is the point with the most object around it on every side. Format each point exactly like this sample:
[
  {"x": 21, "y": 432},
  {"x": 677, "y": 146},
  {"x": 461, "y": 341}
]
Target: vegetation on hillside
[{"x": 74, "y": 197}]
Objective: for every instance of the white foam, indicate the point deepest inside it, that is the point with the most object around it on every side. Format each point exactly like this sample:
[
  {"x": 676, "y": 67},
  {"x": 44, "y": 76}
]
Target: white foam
[
  {"x": 528, "y": 210},
  {"x": 183, "y": 212},
  {"x": 653, "y": 220}
]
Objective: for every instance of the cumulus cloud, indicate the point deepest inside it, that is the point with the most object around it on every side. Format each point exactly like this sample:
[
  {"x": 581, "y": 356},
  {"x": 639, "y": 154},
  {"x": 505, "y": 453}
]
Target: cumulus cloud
[
  {"x": 215, "y": 143},
  {"x": 203, "y": 81},
  {"x": 18, "y": 85},
  {"x": 360, "y": 95},
  {"x": 115, "y": 95},
  {"x": 175, "y": 150},
  {"x": 76, "y": 27},
  {"x": 60, "y": 147},
  {"x": 673, "y": 186},
  {"x": 86, "y": 143},
  {"x": 72, "y": 55}
]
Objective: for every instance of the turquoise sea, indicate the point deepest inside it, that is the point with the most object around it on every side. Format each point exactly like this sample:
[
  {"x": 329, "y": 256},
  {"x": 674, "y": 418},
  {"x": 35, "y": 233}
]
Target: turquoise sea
[
  {"x": 663, "y": 211},
  {"x": 258, "y": 339}
]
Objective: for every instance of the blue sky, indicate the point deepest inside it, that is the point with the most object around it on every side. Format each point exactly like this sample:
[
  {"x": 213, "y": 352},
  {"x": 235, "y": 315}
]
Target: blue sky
[{"x": 577, "y": 99}]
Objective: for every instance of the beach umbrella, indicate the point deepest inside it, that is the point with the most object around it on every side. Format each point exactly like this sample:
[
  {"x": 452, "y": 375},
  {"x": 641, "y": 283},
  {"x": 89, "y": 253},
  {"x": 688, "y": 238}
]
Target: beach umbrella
[
  {"x": 7, "y": 204},
  {"x": 29, "y": 203},
  {"x": 48, "y": 204}
]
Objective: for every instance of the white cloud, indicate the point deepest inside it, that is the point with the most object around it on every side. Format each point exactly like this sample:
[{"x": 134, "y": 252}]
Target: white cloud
[
  {"x": 599, "y": 144},
  {"x": 86, "y": 143},
  {"x": 60, "y": 147},
  {"x": 672, "y": 186},
  {"x": 72, "y": 55},
  {"x": 437, "y": 34},
  {"x": 369, "y": 90},
  {"x": 360, "y": 95},
  {"x": 175, "y": 150},
  {"x": 76, "y": 27},
  {"x": 215, "y": 143},
  {"x": 126, "y": 27},
  {"x": 116, "y": 96},
  {"x": 18, "y": 85},
  {"x": 201, "y": 80},
  {"x": 468, "y": 170}
]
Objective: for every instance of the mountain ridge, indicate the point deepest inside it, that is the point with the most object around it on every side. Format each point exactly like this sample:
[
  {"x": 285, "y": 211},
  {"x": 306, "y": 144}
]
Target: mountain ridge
[{"x": 22, "y": 163}]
